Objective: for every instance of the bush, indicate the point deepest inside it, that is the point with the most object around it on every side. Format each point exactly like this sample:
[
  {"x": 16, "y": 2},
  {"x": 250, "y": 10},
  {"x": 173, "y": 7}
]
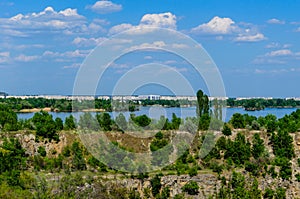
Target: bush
[
  {"x": 42, "y": 151},
  {"x": 191, "y": 188}
]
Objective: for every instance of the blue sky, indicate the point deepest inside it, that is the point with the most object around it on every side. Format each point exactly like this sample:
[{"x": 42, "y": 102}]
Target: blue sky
[{"x": 255, "y": 44}]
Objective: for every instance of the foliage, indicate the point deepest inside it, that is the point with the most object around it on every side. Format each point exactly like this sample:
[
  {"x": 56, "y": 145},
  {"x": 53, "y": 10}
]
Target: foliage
[
  {"x": 237, "y": 121},
  {"x": 239, "y": 150},
  {"x": 8, "y": 119},
  {"x": 121, "y": 122},
  {"x": 156, "y": 185},
  {"x": 88, "y": 122},
  {"x": 42, "y": 151},
  {"x": 191, "y": 188},
  {"x": 105, "y": 121},
  {"x": 226, "y": 130},
  {"x": 45, "y": 125},
  {"x": 70, "y": 123},
  {"x": 257, "y": 146}
]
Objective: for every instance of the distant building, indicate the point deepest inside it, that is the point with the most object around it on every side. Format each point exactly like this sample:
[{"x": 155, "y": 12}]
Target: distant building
[{"x": 149, "y": 97}]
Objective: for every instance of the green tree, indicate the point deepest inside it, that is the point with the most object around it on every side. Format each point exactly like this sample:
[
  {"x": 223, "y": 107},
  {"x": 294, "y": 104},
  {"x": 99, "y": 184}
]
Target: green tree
[
  {"x": 8, "y": 119},
  {"x": 70, "y": 123},
  {"x": 156, "y": 185},
  {"x": 105, "y": 121},
  {"x": 45, "y": 125},
  {"x": 226, "y": 130},
  {"x": 59, "y": 124},
  {"x": 258, "y": 146},
  {"x": 87, "y": 121},
  {"x": 237, "y": 121},
  {"x": 121, "y": 122},
  {"x": 78, "y": 162},
  {"x": 191, "y": 188},
  {"x": 142, "y": 120}
]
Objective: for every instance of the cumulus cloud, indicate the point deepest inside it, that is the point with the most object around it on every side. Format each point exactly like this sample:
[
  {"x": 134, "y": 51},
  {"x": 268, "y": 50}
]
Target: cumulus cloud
[
  {"x": 161, "y": 20},
  {"x": 221, "y": 27},
  {"x": 281, "y": 56},
  {"x": 66, "y": 21},
  {"x": 104, "y": 7},
  {"x": 217, "y": 25},
  {"x": 275, "y": 21},
  {"x": 120, "y": 28},
  {"x": 250, "y": 38},
  {"x": 80, "y": 41}
]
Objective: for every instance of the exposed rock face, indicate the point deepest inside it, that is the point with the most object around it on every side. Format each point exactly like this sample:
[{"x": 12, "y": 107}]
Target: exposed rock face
[{"x": 31, "y": 146}]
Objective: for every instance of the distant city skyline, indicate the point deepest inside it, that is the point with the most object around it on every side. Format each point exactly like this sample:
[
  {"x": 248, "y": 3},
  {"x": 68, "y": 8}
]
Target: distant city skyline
[{"x": 255, "y": 44}]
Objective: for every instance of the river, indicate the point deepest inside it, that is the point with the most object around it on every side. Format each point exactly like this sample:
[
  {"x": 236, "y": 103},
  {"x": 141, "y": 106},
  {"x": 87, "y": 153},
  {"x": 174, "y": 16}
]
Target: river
[{"x": 157, "y": 111}]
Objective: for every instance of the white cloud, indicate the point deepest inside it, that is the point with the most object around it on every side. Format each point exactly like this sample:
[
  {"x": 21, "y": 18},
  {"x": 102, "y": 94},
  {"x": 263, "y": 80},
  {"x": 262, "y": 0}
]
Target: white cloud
[
  {"x": 250, "y": 38},
  {"x": 25, "y": 58},
  {"x": 80, "y": 41},
  {"x": 276, "y": 53},
  {"x": 66, "y": 21},
  {"x": 282, "y": 56},
  {"x": 120, "y": 28},
  {"x": 4, "y": 57},
  {"x": 275, "y": 21},
  {"x": 4, "y": 54},
  {"x": 276, "y": 71},
  {"x": 221, "y": 27},
  {"x": 277, "y": 45},
  {"x": 161, "y": 20},
  {"x": 69, "y": 54},
  {"x": 104, "y": 7},
  {"x": 216, "y": 26},
  {"x": 154, "y": 45}
]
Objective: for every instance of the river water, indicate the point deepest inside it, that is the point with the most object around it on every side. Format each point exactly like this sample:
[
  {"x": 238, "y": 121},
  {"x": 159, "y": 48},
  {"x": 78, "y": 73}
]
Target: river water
[{"x": 157, "y": 111}]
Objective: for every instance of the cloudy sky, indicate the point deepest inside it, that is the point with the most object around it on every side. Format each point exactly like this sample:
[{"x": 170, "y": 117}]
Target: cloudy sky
[{"x": 255, "y": 44}]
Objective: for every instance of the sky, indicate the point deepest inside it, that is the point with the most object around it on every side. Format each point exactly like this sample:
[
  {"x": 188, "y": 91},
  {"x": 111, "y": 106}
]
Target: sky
[{"x": 255, "y": 44}]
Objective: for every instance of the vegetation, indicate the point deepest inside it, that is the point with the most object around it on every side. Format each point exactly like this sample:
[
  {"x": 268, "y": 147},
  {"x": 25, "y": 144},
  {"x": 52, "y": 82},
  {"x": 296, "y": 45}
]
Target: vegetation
[{"x": 242, "y": 155}]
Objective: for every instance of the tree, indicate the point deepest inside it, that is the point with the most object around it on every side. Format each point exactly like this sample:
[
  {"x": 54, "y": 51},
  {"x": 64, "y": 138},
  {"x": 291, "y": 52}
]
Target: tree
[
  {"x": 156, "y": 185},
  {"x": 226, "y": 130},
  {"x": 282, "y": 144},
  {"x": 105, "y": 121},
  {"x": 237, "y": 121},
  {"x": 87, "y": 121},
  {"x": 202, "y": 104},
  {"x": 142, "y": 120},
  {"x": 191, "y": 188},
  {"x": 271, "y": 123},
  {"x": 8, "y": 119},
  {"x": 239, "y": 150},
  {"x": 175, "y": 122},
  {"x": 59, "y": 124},
  {"x": 70, "y": 123},
  {"x": 258, "y": 146},
  {"x": 45, "y": 125},
  {"x": 78, "y": 161},
  {"x": 121, "y": 122}
]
